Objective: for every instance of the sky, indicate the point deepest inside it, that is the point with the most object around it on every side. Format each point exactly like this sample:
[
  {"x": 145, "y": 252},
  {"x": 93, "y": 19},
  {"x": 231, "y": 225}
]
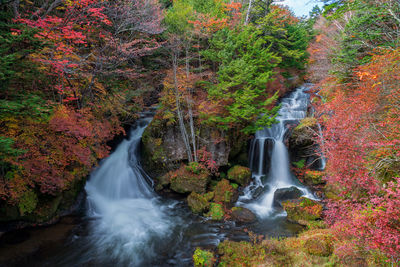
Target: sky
[{"x": 300, "y": 7}]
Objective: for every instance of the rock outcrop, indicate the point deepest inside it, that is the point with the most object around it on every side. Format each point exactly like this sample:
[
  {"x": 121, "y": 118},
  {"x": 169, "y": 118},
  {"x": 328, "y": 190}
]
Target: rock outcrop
[
  {"x": 240, "y": 175},
  {"x": 163, "y": 148}
]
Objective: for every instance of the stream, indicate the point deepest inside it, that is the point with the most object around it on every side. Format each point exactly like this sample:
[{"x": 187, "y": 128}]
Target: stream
[{"x": 127, "y": 224}]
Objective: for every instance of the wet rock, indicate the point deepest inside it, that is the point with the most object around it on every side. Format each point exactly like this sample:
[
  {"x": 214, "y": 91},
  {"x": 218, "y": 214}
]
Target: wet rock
[
  {"x": 163, "y": 181},
  {"x": 197, "y": 203},
  {"x": 302, "y": 210},
  {"x": 283, "y": 194},
  {"x": 240, "y": 175},
  {"x": 258, "y": 192},
  {"x": 240, "y": 214}
]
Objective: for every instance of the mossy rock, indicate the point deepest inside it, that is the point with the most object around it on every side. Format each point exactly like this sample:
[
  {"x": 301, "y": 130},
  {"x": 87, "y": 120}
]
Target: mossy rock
[
  {"x": 197, "y": 203},
  {"x": 216, "y": 212},
  {"x": 209, "y": 196},
  {"x": 203, "y": 258},
  {"x": 240, "y": 214},
  {"x": 313, "y": 177},
  {"x": 240, "y": 175},
  {"x": 319, "y": 244},
  {"x": 184, "y": 181},
  {"x": 224, "y": 192},
  {"x": 163, "y": 181},
  {"x": 302, "y": 210}
]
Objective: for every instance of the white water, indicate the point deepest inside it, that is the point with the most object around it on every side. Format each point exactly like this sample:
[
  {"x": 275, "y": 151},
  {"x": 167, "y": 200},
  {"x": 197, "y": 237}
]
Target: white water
[
  {"x": 127, "y": 217},
  {"x": 293, "y": 109}
]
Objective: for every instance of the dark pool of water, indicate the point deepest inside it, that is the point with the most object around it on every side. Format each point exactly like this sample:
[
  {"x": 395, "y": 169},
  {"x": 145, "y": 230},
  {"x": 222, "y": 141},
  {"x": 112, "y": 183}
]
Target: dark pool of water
[{"x": 68, "y": 242}]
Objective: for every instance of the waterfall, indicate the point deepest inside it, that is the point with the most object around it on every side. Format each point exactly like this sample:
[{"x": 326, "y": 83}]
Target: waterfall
[
  {"x": 322, "y": 164},
  {"x": 278, "y": 175},
  {"x": 126, "y": 216}
]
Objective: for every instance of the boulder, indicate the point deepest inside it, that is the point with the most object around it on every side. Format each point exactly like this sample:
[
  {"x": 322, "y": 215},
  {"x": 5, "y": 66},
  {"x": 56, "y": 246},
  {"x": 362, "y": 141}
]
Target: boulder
[
  {"x": 240, "y": 214},
  {"x": 283, "y": 194},
  {"x": 184, "y": 180},
  {"x": 216, "y": 212},
  {"x": 224, "y": 192},
  {"x": 203, "y": 258},
  {"x": 302, "y": 210},
  {"x": 198, "y": 203},
  {"x": 240, "y": 175}
]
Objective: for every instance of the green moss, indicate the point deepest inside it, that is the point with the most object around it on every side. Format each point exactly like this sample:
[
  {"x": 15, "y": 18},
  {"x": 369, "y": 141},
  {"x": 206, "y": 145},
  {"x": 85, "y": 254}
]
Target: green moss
[
  {"x": 235, "y": 186},
  {"x": 240, "y": 175},
  {"x": 209, "y": 196},
  {"x": 27, "y": 202},
  {"x": 223, "y": 192},
  {"x": 306, "y": 123},
  {"x": 184, "y": 181},
  {"x": 203, "y": 258},
  {"x": 300, "y": 164},
  {"x": 196, "y": 168},
  {"x": 302, "y": 210},
  {"x": 197, "y": 203},
  {"x": 216, "y": 212},
  {"x": 313, "y": 177}
]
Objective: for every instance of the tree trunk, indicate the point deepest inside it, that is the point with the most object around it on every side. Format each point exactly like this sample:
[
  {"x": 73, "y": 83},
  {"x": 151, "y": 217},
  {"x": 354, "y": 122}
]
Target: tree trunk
[
  {"x": 248, "y": 12},
  {"x": 189, "y": 103},
  {"x": 15, "y": 7},
  {"x": 178, "y": 109}
]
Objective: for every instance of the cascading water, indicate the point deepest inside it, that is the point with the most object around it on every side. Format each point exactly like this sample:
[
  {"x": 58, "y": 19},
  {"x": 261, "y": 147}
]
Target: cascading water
[
  {"x": 127, "y": 224},
  {"x": 268, "y": 144},
  {"x": 125, "y": 211}
]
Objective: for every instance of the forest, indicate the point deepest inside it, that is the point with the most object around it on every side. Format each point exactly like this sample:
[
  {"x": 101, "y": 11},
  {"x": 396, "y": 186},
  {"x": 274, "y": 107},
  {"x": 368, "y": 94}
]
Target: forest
[{"x": 199, "y": 133}]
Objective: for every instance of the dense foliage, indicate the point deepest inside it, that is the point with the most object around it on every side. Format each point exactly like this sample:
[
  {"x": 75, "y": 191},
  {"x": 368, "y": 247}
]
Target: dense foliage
[
  {"x": 360, "y": 115},
  {"x": 65, "y": 67}
]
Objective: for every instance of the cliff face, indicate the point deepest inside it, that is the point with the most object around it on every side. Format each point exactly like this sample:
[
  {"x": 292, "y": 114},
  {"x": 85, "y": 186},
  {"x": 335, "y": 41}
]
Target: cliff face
[{"x": 164, "y": 150}]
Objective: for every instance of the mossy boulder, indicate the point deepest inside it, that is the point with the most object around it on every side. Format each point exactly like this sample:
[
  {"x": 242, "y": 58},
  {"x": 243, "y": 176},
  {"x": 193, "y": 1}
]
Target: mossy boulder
[
  {"x": 302, "y": 210},
  {"x": 224, "y": 192},
  {"x": 216, "y": 212},
  {"x": 203, "y": 258},
  {"x": 240, "y": 175},
  {"x": 198, "y": 203},
  {"x": 184, "y": 180},
  {"x": 283, "y": 194},
  {"x": 163, "y": 182},
  {"x": 319, "y": 244},
  {"x": 240, "y": 214},
  {"x": 312, "y": 177},
  {"x": 35, "y": 208}
]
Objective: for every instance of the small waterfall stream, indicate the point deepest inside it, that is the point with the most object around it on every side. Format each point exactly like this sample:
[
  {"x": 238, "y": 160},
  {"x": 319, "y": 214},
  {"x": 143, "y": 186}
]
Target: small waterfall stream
[
  {"x": 126, "y": 213},
  {"x": 268, "y": 146}
]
